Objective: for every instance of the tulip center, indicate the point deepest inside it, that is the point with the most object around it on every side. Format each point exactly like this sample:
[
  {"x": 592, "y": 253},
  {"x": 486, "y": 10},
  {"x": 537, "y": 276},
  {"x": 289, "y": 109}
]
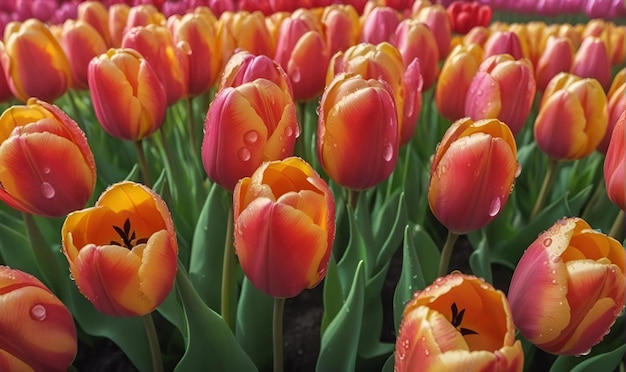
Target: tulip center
[
  {"x": 127, "y": 237},
  {"x": 457, "y": 318}
]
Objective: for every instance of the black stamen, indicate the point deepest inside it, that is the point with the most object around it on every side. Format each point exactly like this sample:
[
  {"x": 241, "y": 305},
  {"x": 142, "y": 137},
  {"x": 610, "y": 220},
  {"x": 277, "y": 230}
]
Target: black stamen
[{"x": 457, "y": 319}]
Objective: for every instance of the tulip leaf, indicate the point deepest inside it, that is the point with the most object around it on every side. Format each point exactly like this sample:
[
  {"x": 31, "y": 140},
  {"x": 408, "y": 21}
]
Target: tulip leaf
[
  {"x": 338, "y": 351},
  {"x": 602, "y": 362},
  {"x": 480, "y": 261},
  {"x": 15, "y": 251},
  {"x": 355, "y": 253},
  {"x": 208, "y": 341},
  {"x": 389, "y": 364},
  {"x": 389, "y": 225},
  {"x": 411, "y": 277},
  {"x": 428, "y": 254},
  {"x": 333, "y": 294},
  {"x": 172, "y": 310},
  {"x": 254, "y": 325}
]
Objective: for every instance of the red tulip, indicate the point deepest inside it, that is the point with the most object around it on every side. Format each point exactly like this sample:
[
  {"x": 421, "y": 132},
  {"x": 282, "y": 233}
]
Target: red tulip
[{"x": 614, "y": 165}]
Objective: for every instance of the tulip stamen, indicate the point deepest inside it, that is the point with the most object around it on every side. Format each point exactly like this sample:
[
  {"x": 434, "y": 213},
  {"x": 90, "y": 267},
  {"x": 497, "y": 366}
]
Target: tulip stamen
[
  {"x": 127, "y": 241},
  {"x": 457, "y": 318}
]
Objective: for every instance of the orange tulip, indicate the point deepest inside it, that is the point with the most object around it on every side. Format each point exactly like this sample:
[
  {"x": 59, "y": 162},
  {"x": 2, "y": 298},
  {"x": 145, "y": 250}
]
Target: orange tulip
[
  {"x": 50, "y": 77},
  {"x": 38, "y": 332},
  {"x": 357, "y": 135},
  {"x": 46, "y": 165},
  {"x": 572, "y": 118},
  {"x": 568, "y": 288},
  {"x": 126, "y": 93},
  {"x": 245, "y": 126},
  {"x": 614, "y": 165},
  {"x": 480, "y": 159},
  {"x": 246, "y": 31},
  {"x": 459, "y": 323},
  {"x": 122, "y": 252},
  {"x": 118, "y": 17},
  {"x": 284, "y": 218},
  {"x": 142, "y": 15}
]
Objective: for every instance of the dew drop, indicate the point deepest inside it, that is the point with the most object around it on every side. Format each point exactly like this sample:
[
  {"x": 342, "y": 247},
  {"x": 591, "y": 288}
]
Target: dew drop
[
  {"x": 439, "y": 280},
  {"x": 547, "y": 242},
  {"x": 295, "y": 75},
  {"x": 554, "y": 281},
  {"x": 556, "y": 259},
  {"x": 518, "y": 170},
  {"x": 545, "y": 263},
  {"x": 494, "y": 207},
  {"x": 426, "y": 352},
  {"x": 38, "y": 312},
  {"x": 584, "y": 353},
  {"x": 250, "y": 137},
  {"x": 479, "y": 92},
  {"x": 46, "y": 170},
  {"x": 244, "y": 154},
  {"x": 47, "y": 190},
  {"x": 553, "y": 272},
  {"x": 288, "y": 131},
  {"x": 388, "y": 152}
]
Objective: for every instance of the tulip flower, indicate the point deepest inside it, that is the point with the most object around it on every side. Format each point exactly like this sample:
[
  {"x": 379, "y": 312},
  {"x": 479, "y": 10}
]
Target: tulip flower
[
  {"x": 46, "y": 165},
  {"x": 357, "y": 135},
  {"x": 614, "y": 165},
  {"x": 127, "y": 96},
  {"x": 592, "y": 61},
  {"x": 415, "y": 40},
  {"x": 284, "y": 218},
  {"x": 118, "y": 17},
  {"x": 572, "y": 118},
  {"x": 95, "y": 14},
  {"x": 459, "y": 323},
  {"x": 503, "y": 42},
  {"x": 616, "y": 105},
  {"x": 568, "y": 288},
  {"x": 503, "y": 88},
  {"x": 142, "y": 15},
  {"x": 244, "y": 67},
  {"x": 466, "y": 15},
  {"x": 557, "y": 57},
  {"x": 50, "y": 77},
  {"x": 38, "y": 331},
  {"x": 245, "y": 126},
  {"x": 480, "y": 159},
  {"x": 342, "y": 25},
  {"x": 379, "y": 24},
  {"x": 245, "y": 31},
  {"x": 437, "y": 19},
  {"x": 122, "y": 252}
]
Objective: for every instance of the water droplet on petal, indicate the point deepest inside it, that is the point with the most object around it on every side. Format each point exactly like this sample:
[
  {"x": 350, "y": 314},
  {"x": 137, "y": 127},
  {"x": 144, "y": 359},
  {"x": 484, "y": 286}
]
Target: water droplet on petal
[
  {"x": 547, "y": 242},
  {"x": 250, "y": 137},
  {"x": 518, "y": 170},
  {"x": 288, "y": 131},
  {"x": 554, "y": 281},
  {"x": 244, "y": 154},
  {"x": 47, "y": 190},
  {"x": 553, "y": 271},
  {"x": 388, "y": 152},
  {"x": 38, "y": 312},
  {"x": 426, "y": 352},
  {"x": 295, "y": 75},
  {"x": 46, "y": 170},
  {"x": 494, "y": 207}
]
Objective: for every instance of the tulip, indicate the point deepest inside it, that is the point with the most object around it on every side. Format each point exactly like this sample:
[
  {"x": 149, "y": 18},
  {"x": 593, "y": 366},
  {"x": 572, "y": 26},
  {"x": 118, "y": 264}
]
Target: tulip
[
  {"x": 118, "y": 17},
  {"x": 245, "y": 31},
  {"x": 50, "y": 77},
  {"x": 46, "y": 165},
  {"x": 342, "y": 27},
  {"x": 81, "y": 43},
  {"x": 245, "y": 126},
  {"x": 437, "y": 19},
  {"x": 5, "y": 91},
  {"x": 379, "y": 24},
  {"x": 95, "y": 14},
  {"x": 592, "y": 61},
  {"x": 357, "y": 135},
  {"x": 455, "y": 78},
  {"x": 504, "y": 89},
  {"x": 616, "y": 105},
  {"x": 38, "y": 331},
  {"x": 466, "y": 15},
  {"x": 122, "y": 252},
  {"x": 480, "y": 159},
  {"x": 415, "y": 40},
  {"x": 142, "y": 15},
  {"x": 284, "y": 217},
  {"x": 459, "y": 323},
  {"x": 568, "y": 288},
  {"x": 572, "y": 118},
  {"x": 503, "y": 42},
  {"x": 557, "y": 57},
  {"x": 614, "y": 165},
  {"x": 244, "y": 67},
  {"x": 127, "y": 96},
  {"x": 302, "y": 52}
]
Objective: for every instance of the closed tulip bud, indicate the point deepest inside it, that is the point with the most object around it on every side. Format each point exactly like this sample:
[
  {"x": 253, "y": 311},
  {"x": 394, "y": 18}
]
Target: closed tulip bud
[
  {"x": 50, "y": 77},
  {"x": 480, "y": 159},
  {"x": 616, "y": 105},
  {"x": 557, "y": 57},
  {"x": 614, "y": 165},
  {"x": 343, "y": 27},
  {"x": 245, "y": 126},
  {"x": 244, "y": 67},
  {"x": 466, "y": 15},
  {"x": 357, "y": 135},
  {"x": 592, "y": 61},
  {"x": 503, "y": 88},
  {"x": 572, "y": 118},
  {"x": 460, "y": 323},
  {"x": 5, "y": 91},
  {"x": 118, "y": 17},
  {"x": 46, "y": 165},
  {"x": 126, "y": 93},
  {"x": 81, "y": 43},
  {"x": 437, "y": 19},
  {"x": 379, "y": 24},
  {"x": 503, "y": 42},
  {"x": 284, "y": 216},
  {"x": 38, "y": 331},
  {"x": 246, "y": 31},
  {"x": 95, "y": 14},
  {"x": 415, "y": 40},
  {"x": 455, "y": 77},
  {"x": 122, "y": 251},
  {"x": 143, "y": 15},
  {"x": 568, "y": 288}
]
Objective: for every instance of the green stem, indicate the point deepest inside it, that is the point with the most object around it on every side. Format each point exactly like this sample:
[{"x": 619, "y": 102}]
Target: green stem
[
  {"x": 141, "y": 156},
  {"x": 618, "y": 225},
  {"x": 353, "y": 198},
  {"x": 153, "y": 341},
  {"x": 192, "y": 132},
  {"x": 277, "y": 329},
  {"x": 446, "y": 253},
  {"x": 227, "y": 272},
  {"x": 545, "y": 188}
]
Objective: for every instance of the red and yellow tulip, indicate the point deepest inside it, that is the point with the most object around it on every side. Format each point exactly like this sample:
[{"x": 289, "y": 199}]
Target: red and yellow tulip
[
  {"x": 592, "y": 61},
  {"x": 615, "y": 166},
  {"x": 244, "y": 67},
  {"x": 122, "y": 252},
  {"x": 459, "y": 323},
  {"x": 415, "y": 40},
  {"x": 557, "y": 57},
  {"x": 568, "y": 288},
  {"x": 284, "y": 217}
]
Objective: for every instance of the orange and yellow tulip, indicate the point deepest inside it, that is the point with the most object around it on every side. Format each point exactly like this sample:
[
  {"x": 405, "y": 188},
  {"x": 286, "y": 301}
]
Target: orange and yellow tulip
[
  {"x": 437, "y": 19},
  {"x": 459, "y": 323},
  {"x": 592, "y": 61},
  {"x": 284, "y": 217},
  {"x": 615, "y": 166},
  {"x": 118, "y": 17},
  {"x": 415, "y": 40},
  {"x": 568, "y": 288},
  {"x": 95, "y": 14},
  {"x": 342, "y": 25},
  {"x": 38, "y": 331},
  {"x": 480, "y": 159},
  {"x": 28, "y": 41},
  {"x": 46, "y": 165},
  {"x": 245, "y": 31},
  {"x": 122, "y": 252},
  {"x": 245, "y": 126}
]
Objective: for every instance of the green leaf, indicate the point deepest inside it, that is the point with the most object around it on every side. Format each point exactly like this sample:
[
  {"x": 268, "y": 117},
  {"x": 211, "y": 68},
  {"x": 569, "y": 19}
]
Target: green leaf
[
  {"x": 603, "y": 362},
  {"x": 340, "y": 341},
  {"x": 411, "y": 277},
  {"x": 254, "y": 325},
  {"x": 389, "y": 225},
  {"x": 355, "y": 254},
  {"x": 480, "y": 261},
  {"x": 209, "y": 341},
  {"x": 389, "y": 364},
  {"x": 15, "y": 251},
  {"x": 428, "y": 253},
  {"x": 333, "y": 294}
]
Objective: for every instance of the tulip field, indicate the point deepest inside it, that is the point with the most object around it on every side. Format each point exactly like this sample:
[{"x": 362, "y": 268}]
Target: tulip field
[{"x": 423, "y": 185}]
